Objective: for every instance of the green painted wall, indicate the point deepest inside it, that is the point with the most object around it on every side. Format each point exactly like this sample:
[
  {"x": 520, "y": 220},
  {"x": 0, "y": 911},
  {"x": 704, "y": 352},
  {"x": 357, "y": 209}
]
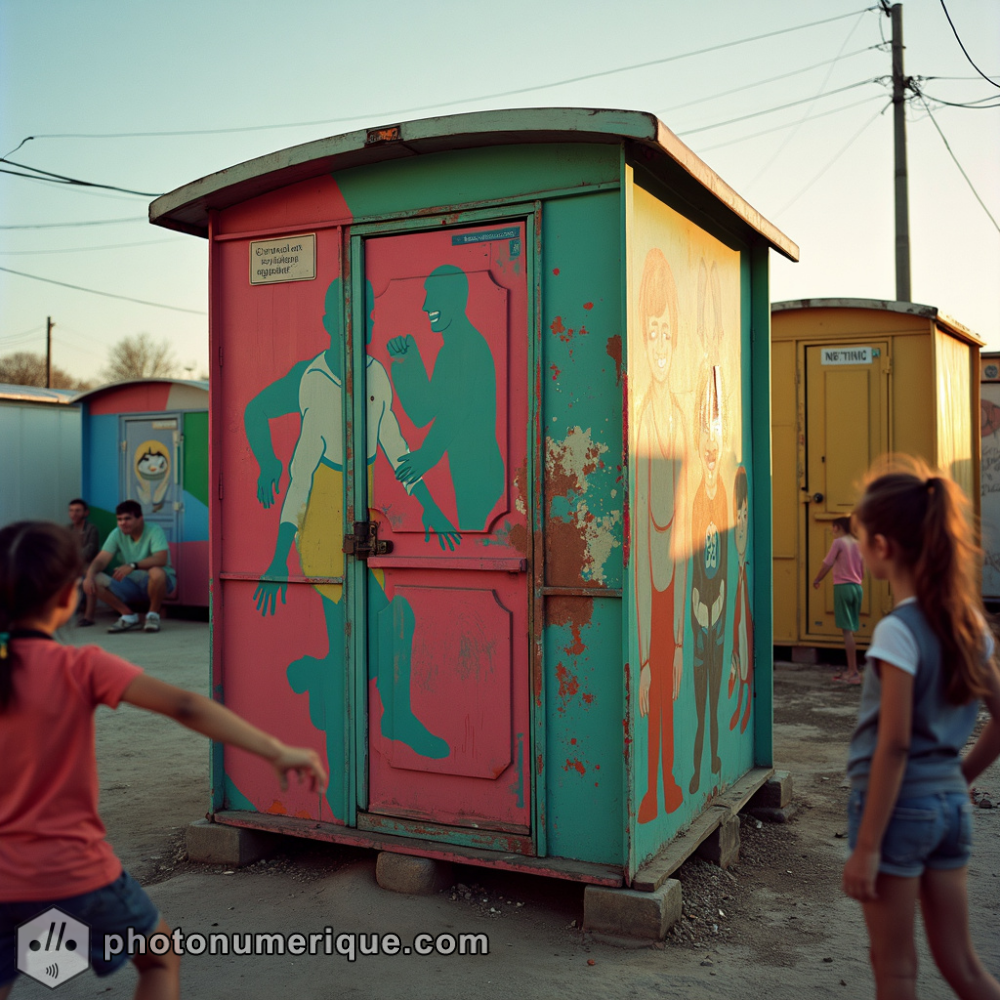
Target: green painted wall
[
  {"x": 444, "y": 180},
  {"x": 583, "y": 497},
  {"x": 196, "y": 455}
]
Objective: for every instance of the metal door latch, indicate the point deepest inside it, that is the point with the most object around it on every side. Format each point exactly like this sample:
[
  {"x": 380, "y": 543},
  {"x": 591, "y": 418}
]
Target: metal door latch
[{"x": 365, "y": 542}]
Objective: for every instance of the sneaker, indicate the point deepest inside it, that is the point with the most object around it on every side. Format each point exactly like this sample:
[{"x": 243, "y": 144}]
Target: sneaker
[
  {"x": 152, "y": 622},
  {"x": 125, "y": 624},
  {"x": 84, "y": 622}
]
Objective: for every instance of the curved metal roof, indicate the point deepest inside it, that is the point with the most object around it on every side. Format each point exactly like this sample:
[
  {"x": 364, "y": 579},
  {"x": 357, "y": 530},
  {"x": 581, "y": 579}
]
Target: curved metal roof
[
  {"x": 186, "y": 208},
  {"x": 884, "y": 305},
  {"x": 194, "y": 383}
]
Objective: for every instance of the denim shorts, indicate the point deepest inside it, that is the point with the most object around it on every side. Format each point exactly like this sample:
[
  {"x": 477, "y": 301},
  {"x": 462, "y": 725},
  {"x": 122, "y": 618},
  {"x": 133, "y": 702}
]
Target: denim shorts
[
  {"x": 134, "y": 589},
  {"x": 112, "y": 910},
  {"x": 931, "y": 831}
]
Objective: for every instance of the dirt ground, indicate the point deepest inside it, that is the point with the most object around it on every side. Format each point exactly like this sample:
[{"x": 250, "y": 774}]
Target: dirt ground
[{"x": 775, "y": 924}]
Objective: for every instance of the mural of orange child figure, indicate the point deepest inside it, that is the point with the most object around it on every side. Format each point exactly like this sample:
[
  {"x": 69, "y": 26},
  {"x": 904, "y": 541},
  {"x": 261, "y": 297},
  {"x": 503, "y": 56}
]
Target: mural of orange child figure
[
  {"x": 661, "y": 549},
  {"x": 741, "y": 666}
]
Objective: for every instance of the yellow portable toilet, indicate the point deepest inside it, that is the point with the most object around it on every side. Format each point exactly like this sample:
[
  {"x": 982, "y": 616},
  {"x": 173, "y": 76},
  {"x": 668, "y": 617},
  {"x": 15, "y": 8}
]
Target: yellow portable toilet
[{"x": 851, "y": 380}]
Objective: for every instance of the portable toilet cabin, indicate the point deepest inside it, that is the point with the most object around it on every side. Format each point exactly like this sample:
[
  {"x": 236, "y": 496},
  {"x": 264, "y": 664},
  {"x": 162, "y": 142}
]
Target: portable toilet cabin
[
  {"x": 989, "y": 474},
  {"x": 854, "y": 379},
  {"x": 147, "y": 440},
  {"x": 484, "y": 387},
  {"x": 39, "y": 453}
]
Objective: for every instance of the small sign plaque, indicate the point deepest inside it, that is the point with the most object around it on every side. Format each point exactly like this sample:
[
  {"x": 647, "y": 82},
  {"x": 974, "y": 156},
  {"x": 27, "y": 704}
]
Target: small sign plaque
[
  {"x": 847, "y": 356},
  {"x": 287, "y": 258}
]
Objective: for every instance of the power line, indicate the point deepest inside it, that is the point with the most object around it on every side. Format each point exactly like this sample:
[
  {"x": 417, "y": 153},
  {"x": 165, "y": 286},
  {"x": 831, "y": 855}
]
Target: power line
[
  {"x": 110, "y": 295},
  {"x": 761, "y": 83},
  {"x": 791, "y": 135},
  {"x": 780, "y": 107},
  {"x": 46, "y": 175},
  {"x": 979, "y": 105},
  {"x": 441, "y": 104},
  {"x": 110, "y": 246},
  {"x": 92, "y": 222},
  {"x": 778, "y": 128},
  {"x": 959, "y": 165},
  {"x": 850, "y": 142},
  {"x": 967, "y": 56}
]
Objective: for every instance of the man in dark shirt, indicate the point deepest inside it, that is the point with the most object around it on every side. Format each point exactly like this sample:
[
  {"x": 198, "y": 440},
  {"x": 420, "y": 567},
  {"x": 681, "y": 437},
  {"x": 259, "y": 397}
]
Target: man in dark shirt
[{"x": 90, "y": 543}]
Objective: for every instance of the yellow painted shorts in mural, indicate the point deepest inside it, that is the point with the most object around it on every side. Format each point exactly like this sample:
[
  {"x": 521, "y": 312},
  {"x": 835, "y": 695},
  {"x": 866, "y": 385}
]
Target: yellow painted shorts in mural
[{"x": 321, "y": 533}]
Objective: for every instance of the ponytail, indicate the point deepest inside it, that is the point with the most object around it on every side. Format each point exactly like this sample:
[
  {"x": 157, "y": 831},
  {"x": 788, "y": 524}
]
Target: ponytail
[
  {"x": 928, "y": 520},
  {"x": 37, "y": 560}
]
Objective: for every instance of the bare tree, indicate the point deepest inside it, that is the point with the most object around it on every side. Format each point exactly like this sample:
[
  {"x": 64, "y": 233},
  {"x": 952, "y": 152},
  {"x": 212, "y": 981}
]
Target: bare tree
[
  {"x": 25, "y": 368},
  {"x": 139, "y": 357}
]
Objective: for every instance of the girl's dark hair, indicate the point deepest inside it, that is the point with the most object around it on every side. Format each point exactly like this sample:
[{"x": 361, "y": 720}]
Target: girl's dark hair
[
  {"x": 37, "y": 559},
  {"x": 926, "y": 517},
  {"x": 844, "y": 523}
]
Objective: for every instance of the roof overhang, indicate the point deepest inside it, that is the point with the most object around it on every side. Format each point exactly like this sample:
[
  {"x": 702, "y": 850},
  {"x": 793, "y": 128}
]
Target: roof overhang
[
  {"x": 187, "y": 208},
  {"x": 110, "y": 386}
]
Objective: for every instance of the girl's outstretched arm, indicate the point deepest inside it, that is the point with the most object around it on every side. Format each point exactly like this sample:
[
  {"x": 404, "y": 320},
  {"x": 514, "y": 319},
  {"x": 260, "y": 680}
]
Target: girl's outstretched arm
[
  {"x": 987, "y": 747},
  {"x": 886, "y": 775},
  {"x": 223, "y": 725}
]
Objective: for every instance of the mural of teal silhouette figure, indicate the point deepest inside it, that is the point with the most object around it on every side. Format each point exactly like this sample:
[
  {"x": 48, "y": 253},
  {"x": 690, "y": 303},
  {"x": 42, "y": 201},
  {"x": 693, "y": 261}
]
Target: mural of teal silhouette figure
[
  {"x": 312, "y": 517},
  {"x": 458, "y": 401}
]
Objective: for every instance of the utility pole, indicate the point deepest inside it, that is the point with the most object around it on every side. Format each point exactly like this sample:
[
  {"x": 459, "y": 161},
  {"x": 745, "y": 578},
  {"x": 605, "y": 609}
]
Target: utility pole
[
  {"x": 48, "y": 351},
  {"x": 899, "y": 85}
]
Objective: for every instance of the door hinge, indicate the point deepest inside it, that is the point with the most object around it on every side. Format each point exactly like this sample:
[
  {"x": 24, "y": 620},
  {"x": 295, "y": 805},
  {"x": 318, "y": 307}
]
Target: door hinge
[{"x": 365, "y": 542}]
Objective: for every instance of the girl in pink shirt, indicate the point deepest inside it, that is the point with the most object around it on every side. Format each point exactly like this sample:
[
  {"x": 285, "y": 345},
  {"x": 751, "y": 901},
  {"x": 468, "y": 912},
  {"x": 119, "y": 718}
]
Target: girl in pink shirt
[
  {"x": 844, "y": 558},
  {"x": 52, "y": 846}
]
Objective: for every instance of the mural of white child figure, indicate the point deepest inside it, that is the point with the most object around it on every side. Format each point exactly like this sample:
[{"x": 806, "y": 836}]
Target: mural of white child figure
[
  {"x": 709, "y": 523},
  {"x": 741, "y": 665},
  {"x": 660, "y": 548},
  {"x": 152, "y": 465}
]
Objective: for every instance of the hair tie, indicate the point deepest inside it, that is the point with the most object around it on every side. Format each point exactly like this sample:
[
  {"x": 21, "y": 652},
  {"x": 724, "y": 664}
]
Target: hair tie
[{"x": 4, "y": 639}]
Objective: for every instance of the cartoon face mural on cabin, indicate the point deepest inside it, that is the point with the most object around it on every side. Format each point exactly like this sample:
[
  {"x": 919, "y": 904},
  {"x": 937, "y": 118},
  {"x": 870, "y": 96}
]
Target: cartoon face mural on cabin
[
  {"x": 689, "y": 555},
  {"x": 152, "y": 473},
  {"x": 312, "y": 518}
]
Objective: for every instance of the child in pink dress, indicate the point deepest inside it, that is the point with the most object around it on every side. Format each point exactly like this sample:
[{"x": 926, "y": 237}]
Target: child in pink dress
[{"x": 844, "y": 559}]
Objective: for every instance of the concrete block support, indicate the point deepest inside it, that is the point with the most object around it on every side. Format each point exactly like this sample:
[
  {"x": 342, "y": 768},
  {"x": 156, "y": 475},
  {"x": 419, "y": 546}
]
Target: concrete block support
[
  {"x": 776, "y": 794},
  {"x": 218, "y": 844},
  {"x": 417, "y": 876},
  {"x": 722, "y": 847},
  {"x": 629, "y": 917},
  {"x": 773, "y": 802},
  {"x": 805, "y": 654}
]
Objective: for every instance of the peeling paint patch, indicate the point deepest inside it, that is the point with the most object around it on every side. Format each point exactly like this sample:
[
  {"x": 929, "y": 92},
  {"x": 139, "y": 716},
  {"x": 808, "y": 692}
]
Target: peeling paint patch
[
  {"x": 588, "y": 305},
  {"x": 574, "y": 765},
  {"x": 568, "y": 684},
  {"x": 277, "y": 808},
  {"x": 579, "y": 542},
  {"x": 555, "y": 372},
  {"x": 562, "y": 332}
]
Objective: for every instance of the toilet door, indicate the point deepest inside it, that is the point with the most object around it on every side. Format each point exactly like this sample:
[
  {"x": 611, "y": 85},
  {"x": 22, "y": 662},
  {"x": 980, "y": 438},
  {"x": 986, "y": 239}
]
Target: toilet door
[{"x": 446, "y": 390}]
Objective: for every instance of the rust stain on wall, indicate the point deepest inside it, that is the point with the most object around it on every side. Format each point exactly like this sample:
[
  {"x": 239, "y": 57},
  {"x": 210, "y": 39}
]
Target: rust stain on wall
[
  {"x": 574, "y": 765},
  {"x": 568, "y": 683},
  {"x": 614, "y": 351}
]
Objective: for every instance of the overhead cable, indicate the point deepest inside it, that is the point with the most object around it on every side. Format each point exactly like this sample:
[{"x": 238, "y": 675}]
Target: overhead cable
[
  {"x": 780, "y": 107},
  {"x": 966, "y": 51},
  {"x": 110, "y": 246},
  {"x": 959, "y": 165},
  {"x": 110, "y": 295},
  {"x": 761, "y": 83},
  {"x": 46, "y": 175},
  {"x": 67, "y": 225},
  {"x": 395, "y": 112},
  {"x": 778, "y": 128}
]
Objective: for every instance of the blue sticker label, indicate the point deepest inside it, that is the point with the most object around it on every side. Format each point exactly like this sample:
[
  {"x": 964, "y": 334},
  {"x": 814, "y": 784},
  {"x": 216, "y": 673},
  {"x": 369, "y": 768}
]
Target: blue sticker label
[{"x": 486, "y": 236}]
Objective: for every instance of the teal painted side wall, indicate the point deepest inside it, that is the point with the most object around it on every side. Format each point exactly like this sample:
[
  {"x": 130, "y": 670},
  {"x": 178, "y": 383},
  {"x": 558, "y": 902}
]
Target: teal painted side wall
[
  {"x": 582, "y": 507},
  {"x": 444, "y": 180}
]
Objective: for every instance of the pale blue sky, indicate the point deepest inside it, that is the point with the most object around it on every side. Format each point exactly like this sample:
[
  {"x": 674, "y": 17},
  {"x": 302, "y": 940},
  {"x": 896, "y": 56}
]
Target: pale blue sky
[{"x": 97, "y": 66}]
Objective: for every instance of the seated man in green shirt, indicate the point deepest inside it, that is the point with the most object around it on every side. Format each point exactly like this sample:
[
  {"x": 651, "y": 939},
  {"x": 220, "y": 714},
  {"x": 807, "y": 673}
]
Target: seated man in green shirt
[{"x": 145, "y": 571}]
